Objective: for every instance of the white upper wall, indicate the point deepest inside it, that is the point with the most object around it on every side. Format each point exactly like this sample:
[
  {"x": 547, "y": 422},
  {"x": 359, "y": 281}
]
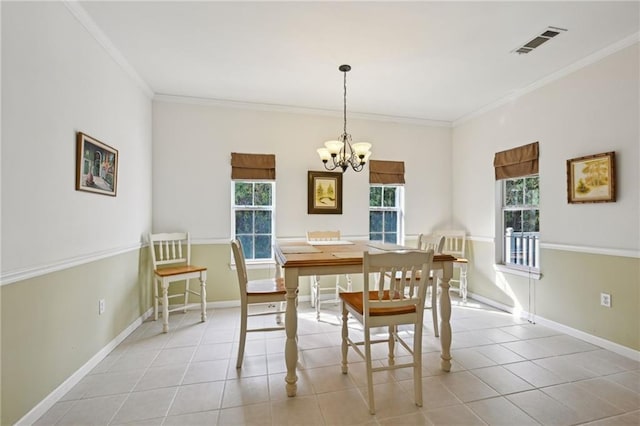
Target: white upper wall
[
  {"x": 56, "y": 80},
  {"x": 591, "y": 111},
  {"x": 192, "y": 172}
]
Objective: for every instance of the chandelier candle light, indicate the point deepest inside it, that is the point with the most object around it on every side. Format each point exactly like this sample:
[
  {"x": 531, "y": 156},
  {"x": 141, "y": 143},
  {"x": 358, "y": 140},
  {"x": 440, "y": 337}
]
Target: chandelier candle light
[{"x": 341, "y": 153}]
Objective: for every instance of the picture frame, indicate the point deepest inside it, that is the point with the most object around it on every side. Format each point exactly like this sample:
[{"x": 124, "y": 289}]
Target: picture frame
[
  {"x": 324, "y": 193},
  {"x": 96, "y": 166},
  {"x": 592, "y": 179}
]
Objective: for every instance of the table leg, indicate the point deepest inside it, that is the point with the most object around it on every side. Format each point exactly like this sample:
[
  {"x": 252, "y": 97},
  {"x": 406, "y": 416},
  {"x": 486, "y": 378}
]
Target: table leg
[
  {"x": 203, "y": 295},
  {"x": 165, "y": 306},
  {"x": 291, "y": 330},
  {"x": 445, "y": 317}
]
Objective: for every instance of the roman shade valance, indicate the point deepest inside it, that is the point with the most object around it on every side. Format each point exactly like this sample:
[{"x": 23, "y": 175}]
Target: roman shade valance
[
  {"x": 386, "y": 172},
  {"x": 516, "y": 162},
  {"x": 253, "y": 166}
]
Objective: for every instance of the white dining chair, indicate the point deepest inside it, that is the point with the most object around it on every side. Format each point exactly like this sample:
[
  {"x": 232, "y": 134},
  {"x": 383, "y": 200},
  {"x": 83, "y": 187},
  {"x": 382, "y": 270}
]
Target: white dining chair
[
  {"x": 171, "y": 260},
  {"x": 455, "y": 245},
  {"x": 316, "y": 289},
  {"x": 255, "y": 292},
  {"x": 401, "y": 305}
]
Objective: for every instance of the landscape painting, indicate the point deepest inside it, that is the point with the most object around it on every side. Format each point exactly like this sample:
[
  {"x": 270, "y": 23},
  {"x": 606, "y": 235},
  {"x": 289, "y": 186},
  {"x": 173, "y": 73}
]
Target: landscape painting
[
  {"x": 591, "y": 179},
  {"x": 324, "y": 195}
]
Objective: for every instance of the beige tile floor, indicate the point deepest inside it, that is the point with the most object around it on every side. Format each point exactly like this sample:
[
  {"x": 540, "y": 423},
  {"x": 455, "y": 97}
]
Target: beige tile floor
[{"x": 505, "y": 371}]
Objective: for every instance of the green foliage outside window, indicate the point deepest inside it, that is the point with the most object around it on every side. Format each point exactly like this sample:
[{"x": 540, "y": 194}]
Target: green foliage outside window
[
  {"x": 383, "y": 213},
  {"x": 253, "y": 206}
]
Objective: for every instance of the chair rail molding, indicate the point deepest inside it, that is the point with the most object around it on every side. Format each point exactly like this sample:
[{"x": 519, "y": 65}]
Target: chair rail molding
[{"x": 12, "y": 276}]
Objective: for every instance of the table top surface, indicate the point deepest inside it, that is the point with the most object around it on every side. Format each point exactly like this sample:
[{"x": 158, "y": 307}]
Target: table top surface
[{"x": 300, "y": 253}]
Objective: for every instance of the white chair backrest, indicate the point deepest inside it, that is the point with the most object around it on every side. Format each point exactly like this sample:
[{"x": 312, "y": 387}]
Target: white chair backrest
[
  {"x": 241, "y": 267},
  {"x": 323, "y": 235},
  {"x": 170, "y": 248},
  {"x": 407, "y": 289},
  {"x": 454, "y": 242},
  {"x": 433, "y": 242}
]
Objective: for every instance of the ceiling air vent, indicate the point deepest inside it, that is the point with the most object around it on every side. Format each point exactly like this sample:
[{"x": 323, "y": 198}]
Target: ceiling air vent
[{"x": 537, "y": 41}]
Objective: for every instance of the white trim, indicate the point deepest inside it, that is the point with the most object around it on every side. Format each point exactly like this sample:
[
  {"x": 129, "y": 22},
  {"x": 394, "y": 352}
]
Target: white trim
[
  {"x": 225, "y": 103},
  {"x": 10, "y": 277},
  {"x": 609, "y": 50},
  {"x": 481, "y": 239},
  {"x": 578, "y": 334},
  {"x": 521, "y": 272},
  {"x": 580, "y": 249},
  {"x": 89, "y": 24},
  {"x": 592, "y": 250},
  {"x": 43, "y": 406}
]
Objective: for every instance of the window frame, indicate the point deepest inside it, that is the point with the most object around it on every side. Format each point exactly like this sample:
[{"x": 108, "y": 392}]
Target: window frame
[
  {"x": 272, "y": 208},
  {"x": 502, "y": 263},
  {"x": 399, "y": 208}
]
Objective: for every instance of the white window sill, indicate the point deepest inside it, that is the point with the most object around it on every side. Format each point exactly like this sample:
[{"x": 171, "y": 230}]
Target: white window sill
[
  {"x": 258, "y": 264},
  {"x": 521, "y": 272}
]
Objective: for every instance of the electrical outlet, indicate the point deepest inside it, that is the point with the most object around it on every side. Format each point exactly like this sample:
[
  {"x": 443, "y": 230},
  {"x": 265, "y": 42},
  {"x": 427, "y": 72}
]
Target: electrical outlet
[
  {"x": 605, "y": 299},
  {"x": 101, "y": 306}
]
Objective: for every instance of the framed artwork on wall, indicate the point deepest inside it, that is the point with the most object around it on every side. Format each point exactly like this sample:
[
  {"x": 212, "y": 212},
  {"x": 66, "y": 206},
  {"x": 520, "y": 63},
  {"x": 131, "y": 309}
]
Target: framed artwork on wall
[
  {"x": 324, "y": 193},
  {"x": 96, "y": 166},
  {"x": 592, "y": 179}
]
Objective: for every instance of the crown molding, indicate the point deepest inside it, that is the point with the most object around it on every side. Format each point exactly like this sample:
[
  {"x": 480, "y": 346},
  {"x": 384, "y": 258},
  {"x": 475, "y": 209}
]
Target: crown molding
[
  {"x": 89, "y": 24},
  {"x": 593, "y": 58},
  {"x": 224, "y": 103}
]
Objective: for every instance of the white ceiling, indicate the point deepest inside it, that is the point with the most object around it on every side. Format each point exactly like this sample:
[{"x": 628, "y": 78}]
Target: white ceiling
[{"x": 421, "y": 60}]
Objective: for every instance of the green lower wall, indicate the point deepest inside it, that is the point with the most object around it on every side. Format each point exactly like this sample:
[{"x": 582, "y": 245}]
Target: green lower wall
[
  {"x": 51, "y": 326},
  {"x": 569, "y": 290}
]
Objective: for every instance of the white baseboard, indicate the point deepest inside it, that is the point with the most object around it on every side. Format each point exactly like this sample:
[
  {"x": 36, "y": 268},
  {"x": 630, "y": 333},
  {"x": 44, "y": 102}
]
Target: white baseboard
[
  {"x": 595, "y": 340},
  {"x": 39, "y": 410}
]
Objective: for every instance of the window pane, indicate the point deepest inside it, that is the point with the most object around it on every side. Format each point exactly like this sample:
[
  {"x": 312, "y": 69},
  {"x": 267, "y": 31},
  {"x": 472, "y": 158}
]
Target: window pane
[
  {"x": 263, "y": 246},
  {"x": 391, "y": 237},
  {"x": 532, "y": 192},
  {"x": 375, "y": 222},
  {"x": 375, "y": 196},
  {"x": 513, "y": 219},
  {"x": 262, "y": 194},
  {"x": 247, "y": 245},
  {"x": 375, "y": 236},
  {"x": 513, "y": 192},
  {"x": 389, "y": 196},
  {"x": 244, "y": 194},
  {"x": 391, "y": 222},
  {"x": 531, "y": 221},
  {"x": 263, "y": 222},
  {"x": 244, "y": 222}
]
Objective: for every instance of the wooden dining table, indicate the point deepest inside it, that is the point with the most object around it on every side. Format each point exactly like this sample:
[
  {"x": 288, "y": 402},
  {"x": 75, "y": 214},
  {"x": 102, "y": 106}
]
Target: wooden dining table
[{"x": 296, "y": 259}]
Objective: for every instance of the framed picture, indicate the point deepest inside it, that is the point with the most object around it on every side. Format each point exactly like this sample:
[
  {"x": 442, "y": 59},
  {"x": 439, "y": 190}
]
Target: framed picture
[
  {"x": 324, "y": 194},
  {"x": 96, "y": 166},
  {"x": 592, "y": 179}
]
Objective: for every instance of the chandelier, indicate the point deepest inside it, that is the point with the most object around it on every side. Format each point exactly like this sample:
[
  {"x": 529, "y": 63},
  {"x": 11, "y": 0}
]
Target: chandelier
[{"x": 342, "y": 153}]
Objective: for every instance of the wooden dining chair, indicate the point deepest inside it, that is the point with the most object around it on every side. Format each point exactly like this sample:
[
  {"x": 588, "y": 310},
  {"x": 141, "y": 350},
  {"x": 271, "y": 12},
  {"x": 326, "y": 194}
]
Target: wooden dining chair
[
  {"x": 255, "y": 292},
  {"x": 316, "y": 289},
  {"x": 171, "y": 259},
  {"x": 402, "y": 304}
]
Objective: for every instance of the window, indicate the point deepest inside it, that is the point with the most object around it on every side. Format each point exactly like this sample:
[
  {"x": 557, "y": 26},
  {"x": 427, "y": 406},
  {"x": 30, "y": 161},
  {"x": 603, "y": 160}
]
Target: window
[
  {"x": 253, "y": 217},
  {"x": 521, "y": 222},
  {"x": 386, "y": 213}
]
